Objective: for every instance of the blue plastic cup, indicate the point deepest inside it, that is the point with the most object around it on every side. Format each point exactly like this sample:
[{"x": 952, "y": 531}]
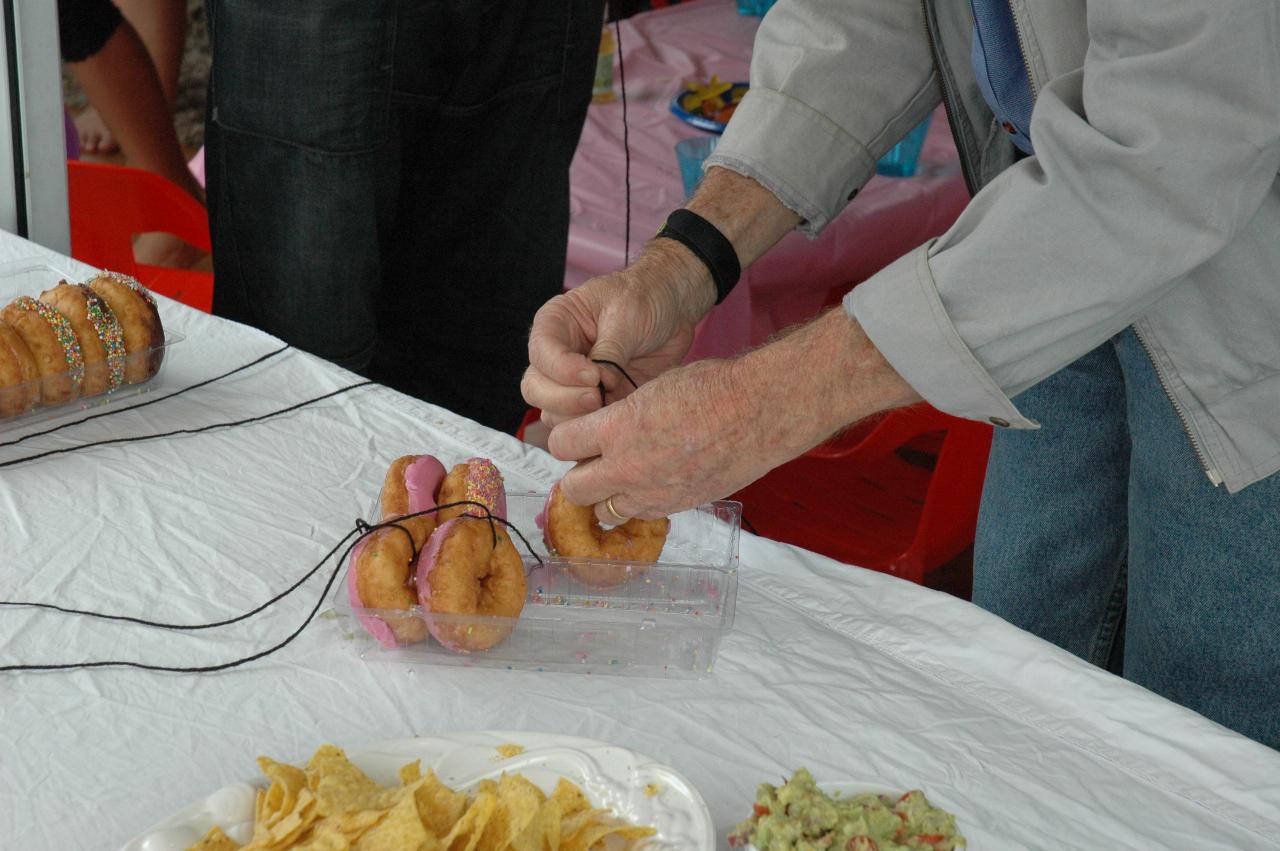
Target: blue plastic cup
[
  {"x": 902, "y": 158},
  {"x": 691, "y": 153}
]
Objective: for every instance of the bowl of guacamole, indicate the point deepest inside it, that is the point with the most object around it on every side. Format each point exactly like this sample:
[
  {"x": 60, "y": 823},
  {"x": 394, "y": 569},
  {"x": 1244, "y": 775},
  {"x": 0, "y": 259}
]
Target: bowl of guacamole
[{"x": 799, "y": 816}]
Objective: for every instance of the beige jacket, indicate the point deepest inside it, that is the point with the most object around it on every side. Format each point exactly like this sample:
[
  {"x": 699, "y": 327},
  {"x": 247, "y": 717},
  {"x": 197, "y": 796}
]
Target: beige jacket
[{"x": 1152, "y": 199}]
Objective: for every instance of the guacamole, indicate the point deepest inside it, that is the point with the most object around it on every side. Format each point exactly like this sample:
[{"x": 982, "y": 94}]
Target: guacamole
[{"x": 798, "y": 816}]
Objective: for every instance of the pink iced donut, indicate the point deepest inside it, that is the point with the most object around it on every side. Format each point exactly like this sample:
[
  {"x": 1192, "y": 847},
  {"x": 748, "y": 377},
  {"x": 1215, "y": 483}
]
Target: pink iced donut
[
  {"x": 381, "y": 577},
  {"x": 377, "y": 627},
  {"x": 464, "y": 573},
  {"x": 381, "y": 567},
  {"x": 477, "y": 480},
  {"x": 410, "y": 486}
]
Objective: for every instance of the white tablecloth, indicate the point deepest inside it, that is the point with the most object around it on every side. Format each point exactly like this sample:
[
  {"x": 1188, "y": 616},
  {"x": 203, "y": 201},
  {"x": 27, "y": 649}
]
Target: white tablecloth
[{"x": 858, "y": 676}]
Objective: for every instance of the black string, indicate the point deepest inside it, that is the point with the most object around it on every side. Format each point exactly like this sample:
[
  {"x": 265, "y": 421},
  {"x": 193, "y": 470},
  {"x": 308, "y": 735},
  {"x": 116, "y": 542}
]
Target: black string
[
  {"x": 121, "y": 410},
  {"x": 362, "y": 527},
  {"x": 618, "y": 367},
  {"x": 210, "y": 427},
  {"x": 362, "y": 530},
  {"x": 202, "y": 669},
  {"x": 626, "y": 145}
]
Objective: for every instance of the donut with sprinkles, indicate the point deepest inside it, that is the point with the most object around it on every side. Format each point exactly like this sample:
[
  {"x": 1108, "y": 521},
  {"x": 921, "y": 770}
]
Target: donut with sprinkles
[
  {"x": 135, "y": 309},
  {"x": 19, "y": 375},
  {"x": 98, "y": 331},
  {"x": 53, "y": 344},
  {"x": 474, "y": 480}
]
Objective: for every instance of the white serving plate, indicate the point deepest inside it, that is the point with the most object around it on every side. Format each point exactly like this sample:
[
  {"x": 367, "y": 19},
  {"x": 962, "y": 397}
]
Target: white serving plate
[{"x": 611, "y": 776}]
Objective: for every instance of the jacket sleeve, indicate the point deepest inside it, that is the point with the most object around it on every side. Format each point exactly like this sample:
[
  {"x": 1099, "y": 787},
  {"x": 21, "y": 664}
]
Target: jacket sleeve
[
  {"x": 834, "y": 85},
  {"x": 1149, "y": 160}
]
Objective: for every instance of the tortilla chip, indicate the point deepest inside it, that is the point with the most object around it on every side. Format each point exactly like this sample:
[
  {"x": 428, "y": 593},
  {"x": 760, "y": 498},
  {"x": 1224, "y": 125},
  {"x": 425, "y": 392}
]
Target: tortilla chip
[
  {"x": 411, "y": 773},
  {"x": 339, "y": 786},
  {"x": 592, "y": 834},
  {"x": 324, "y": 837},
  {"x": 331, "y": 805},
  {"x": 518, "y": 803},
  {"x": 465, "y": 834},
  {"x": 571, "y": 798},
  {"x": 439, "y": 807},
  {"x": 401, "y": 829},
  {"x": 543, "y": 832},
  {"x": 215, "y": 840}
]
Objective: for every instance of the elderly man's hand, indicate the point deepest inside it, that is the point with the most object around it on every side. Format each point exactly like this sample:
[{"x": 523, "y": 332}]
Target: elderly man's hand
[
  {"x": 703, "y": 431},
  {"x": 641, "y": 318},
  {"x": 680, "y": 440}
]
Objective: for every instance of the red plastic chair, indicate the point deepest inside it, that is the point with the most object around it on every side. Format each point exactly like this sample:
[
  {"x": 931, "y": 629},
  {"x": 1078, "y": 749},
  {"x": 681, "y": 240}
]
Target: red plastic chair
[
  {"x": 111, "y": 204},
  {"x": 899, "y": 494},
  {"x": 531, "y": 416}
]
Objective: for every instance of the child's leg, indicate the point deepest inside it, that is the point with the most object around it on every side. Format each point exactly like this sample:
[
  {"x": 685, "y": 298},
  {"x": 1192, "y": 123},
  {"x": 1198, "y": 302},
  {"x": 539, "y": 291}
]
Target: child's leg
[{"x": 162, "y": 26}]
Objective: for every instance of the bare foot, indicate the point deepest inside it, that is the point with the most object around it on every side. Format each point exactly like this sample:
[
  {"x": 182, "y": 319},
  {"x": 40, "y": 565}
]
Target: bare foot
[
  {"x": 165, "y": 249},
  {"x": 95, "y": 138}
]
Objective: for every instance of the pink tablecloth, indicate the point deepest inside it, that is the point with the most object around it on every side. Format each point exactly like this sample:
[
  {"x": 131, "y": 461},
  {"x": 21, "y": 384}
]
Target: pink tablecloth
[{"x": 660, "y": 51}]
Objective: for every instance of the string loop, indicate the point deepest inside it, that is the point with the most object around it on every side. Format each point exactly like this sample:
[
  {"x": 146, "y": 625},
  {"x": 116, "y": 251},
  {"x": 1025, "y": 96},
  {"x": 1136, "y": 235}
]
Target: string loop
[
  {"x": 362, "y": 530},
  {"x": 121, "y": 410}
]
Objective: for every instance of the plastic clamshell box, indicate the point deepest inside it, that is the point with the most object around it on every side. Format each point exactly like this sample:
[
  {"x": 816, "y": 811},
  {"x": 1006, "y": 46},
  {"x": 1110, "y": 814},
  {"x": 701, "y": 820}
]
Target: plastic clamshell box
[
  {"x": 665, "y": 620},
  {"x": 32, "y": 277}
]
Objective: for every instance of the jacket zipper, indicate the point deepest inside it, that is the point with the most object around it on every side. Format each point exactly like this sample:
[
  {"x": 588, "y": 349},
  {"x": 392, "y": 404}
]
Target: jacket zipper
[
  {"x": 966, "y": 167},
  {"x": 1214, "y": 476},
  {"x": 949, "y": 105},
  {"x": 1026, "y": 63}
]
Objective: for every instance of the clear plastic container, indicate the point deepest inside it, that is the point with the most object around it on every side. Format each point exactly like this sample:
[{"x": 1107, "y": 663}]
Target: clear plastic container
[
  {"x": 31, "y": 278},
  {"x": 665, "y": 620}
]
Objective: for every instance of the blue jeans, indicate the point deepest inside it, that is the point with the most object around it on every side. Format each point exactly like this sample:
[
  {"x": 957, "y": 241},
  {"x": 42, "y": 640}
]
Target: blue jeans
[
  {"x": 1101, "y": 533},
  {"x": 389, "y": 181}
]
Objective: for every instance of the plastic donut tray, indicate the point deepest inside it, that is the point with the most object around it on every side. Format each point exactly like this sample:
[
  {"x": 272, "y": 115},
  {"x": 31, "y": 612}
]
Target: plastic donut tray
[
  {"x": 665, "y": 619},
  {"x": 30, "y": 278}
]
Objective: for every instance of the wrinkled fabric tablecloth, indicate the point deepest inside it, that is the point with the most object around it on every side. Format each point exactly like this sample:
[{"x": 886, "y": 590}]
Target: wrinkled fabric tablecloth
[
  {"x": 661, "y": 51},
  {"x": 858, "y": 676}
]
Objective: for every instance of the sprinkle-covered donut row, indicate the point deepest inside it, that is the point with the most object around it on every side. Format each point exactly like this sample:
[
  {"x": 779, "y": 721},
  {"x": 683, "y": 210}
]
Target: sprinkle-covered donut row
[{"x": 77, "y": 340}]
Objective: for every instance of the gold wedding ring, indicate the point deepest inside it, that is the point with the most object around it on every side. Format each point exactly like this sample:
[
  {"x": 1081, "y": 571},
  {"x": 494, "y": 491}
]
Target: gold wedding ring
[{"x": 608, "y": 506}]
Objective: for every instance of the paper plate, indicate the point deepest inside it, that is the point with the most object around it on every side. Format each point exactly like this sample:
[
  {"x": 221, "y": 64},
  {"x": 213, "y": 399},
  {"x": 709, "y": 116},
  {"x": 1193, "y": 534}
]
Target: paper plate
[
  {"x": 697, "y": 119},
  {"x": 635, "y": 787}
]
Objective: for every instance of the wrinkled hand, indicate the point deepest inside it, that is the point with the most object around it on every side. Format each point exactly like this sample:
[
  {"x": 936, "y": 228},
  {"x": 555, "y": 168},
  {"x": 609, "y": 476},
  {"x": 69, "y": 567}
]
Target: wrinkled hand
[
  {"x": 641, "y": 318},
  {"x": 704, "y": 431},
  {"x": 684, "y": 438}
]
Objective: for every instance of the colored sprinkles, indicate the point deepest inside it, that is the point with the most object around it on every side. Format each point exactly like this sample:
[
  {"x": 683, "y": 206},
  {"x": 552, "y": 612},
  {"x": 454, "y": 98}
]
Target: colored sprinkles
[
  {"x": 484, "y": 483},
  {"x": 65, "y": 333},
  {"x": 131, "y": 283},
  {"x": 109, "y": 332}
]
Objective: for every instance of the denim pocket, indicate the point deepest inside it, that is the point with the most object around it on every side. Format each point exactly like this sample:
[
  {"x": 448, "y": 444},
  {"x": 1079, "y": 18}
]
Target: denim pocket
[{"x": 313, "y": 73}]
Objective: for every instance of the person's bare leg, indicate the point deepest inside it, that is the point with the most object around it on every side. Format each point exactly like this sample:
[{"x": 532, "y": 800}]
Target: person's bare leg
[
  {"x": 122, "y": 81},
  {"x": 162, "y": 26}
]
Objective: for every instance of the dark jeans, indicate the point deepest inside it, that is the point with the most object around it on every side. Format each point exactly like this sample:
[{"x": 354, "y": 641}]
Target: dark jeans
[{"x": 389, "y": 181}]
